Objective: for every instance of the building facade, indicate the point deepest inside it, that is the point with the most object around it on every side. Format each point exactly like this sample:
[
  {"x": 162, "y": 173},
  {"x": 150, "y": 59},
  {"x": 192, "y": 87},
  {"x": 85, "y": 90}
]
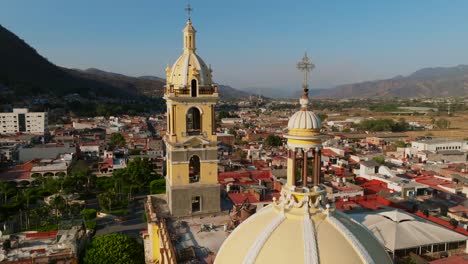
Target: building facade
[
  {"x": 191, "y": 141},
  {"x": 21, "y": 120}
]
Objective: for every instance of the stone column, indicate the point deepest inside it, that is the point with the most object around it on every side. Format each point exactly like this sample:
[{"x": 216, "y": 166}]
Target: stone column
[
  {"x": 304, "y": 168},
  {"x": 317, "y": 167}
]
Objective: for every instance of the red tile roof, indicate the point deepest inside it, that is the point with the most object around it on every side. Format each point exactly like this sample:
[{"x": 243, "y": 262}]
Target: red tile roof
[{"x": 239, "y": 198}]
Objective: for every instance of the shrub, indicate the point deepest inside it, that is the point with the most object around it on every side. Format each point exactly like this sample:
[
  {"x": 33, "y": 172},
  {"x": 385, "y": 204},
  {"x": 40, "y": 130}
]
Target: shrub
[
  {"x": 158, "y": 186},
  {"x": 88, "y": 214},
  {"x": 91, "y": 224},
  {"x": 114, "y": 248}
]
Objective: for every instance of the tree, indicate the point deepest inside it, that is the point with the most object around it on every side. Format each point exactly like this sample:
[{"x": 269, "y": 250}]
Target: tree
[
  {"x": 442, "y": 123},
  {"x": 443, "y": 210},
  {"x": 88, "y": 214},
  {"x": 5, "y": 190},
  {"x": 400, "y": 144},
  {"x": 426, "y": 213},
  {"x": 379, "y": 159},
  {"x": 322, "y": 116},
  {"x": 273, "y": 141},
  {"x": 158, "y": 186},
  {"x": 106, "y": 199},
  {"x": 59, "y": 204},
  {"x": 114, "y": 248},
  {"x": 453, "y": 222},
  {"x": 117, "y": 140}
]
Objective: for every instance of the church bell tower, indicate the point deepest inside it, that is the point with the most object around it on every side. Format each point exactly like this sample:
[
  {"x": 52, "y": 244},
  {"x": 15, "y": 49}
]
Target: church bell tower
[{"x": 191, "y": 143}]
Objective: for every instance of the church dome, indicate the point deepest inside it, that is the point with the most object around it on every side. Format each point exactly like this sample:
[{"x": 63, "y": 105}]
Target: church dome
[
  {"x": 298, "y": 229},
  {"x": 189, "y": 66},
  {"x": 304, "y": 120}
]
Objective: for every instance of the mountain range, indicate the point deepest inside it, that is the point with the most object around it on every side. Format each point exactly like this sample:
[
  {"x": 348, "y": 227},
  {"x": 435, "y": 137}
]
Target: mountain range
[
  {"x": 427, "y": 82},
  {"x": 24, "y": 72}
]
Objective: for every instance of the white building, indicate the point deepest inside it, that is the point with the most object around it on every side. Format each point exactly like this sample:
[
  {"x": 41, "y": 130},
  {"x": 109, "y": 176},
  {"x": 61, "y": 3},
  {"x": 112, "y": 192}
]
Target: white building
[
  {"x": 438, "y": 144},
  {"x": 21, "y": 120}
]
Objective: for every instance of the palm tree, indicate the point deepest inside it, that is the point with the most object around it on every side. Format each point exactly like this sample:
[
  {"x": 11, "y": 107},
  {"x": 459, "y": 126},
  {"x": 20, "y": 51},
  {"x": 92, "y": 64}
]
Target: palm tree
[
  {"x": 4, "y": 189},
  {"x": 58, "y": 203}
]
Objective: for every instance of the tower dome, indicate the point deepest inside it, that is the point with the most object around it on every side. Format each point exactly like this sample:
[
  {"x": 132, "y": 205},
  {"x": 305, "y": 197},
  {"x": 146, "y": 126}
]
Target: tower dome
[
  {"x": 306, "y": 120},
  {"x": 299, "y": 229},
  {"x": 189, "y": 69}
]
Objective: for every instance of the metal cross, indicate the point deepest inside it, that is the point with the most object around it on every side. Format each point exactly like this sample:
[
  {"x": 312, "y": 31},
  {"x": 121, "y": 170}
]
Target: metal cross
[
  {"x": 189, "y": 9},
  {"x": 305, "y": 66}
]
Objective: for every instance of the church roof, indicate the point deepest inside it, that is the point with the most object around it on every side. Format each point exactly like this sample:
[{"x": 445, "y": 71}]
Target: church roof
[
  {"x": 187, "y": 64},
  {"x": 294, "y": 230},
  {"x": 398, "y": 230}
]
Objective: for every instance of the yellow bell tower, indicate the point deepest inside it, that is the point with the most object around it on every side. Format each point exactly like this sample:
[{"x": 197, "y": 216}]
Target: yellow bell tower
[{"x": 191, "y": 142}]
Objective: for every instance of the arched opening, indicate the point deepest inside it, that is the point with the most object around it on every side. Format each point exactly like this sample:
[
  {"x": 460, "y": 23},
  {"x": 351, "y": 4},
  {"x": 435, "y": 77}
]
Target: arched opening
[
  {"x": 193, "y": 121},
  {"x": 194, "y": 169},
  {"x": 193, "y": 86},
  {"x": 60, "y": 174}
]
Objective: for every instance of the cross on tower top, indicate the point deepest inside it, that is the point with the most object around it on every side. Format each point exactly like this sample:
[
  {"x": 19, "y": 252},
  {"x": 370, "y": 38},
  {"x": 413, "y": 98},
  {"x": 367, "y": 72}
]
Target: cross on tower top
[
  {"x": 189, "y": 10},
  {"x": 305, "y": 66}
]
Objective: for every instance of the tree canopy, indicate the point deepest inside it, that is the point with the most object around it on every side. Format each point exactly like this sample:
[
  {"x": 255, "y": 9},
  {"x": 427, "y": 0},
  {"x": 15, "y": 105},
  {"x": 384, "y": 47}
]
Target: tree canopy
[
  {"x": 273, "y": 141},
  {"x": 114, "y": 248},
  {"x": 117, "y": 140},
  {"x": 384, "y": 125}
]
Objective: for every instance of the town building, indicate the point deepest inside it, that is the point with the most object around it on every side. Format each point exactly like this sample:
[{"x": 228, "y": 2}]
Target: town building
[
  {"x": 23, "y": 121},
  {"x": 62, "y": 246},
  {"x": 437, "y": 144},
  {"x": 401, "y": 234}
]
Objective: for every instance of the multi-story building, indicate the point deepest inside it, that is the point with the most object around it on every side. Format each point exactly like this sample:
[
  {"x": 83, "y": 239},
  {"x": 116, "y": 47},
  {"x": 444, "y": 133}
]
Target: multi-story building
[{"x": 21, "y": 120}]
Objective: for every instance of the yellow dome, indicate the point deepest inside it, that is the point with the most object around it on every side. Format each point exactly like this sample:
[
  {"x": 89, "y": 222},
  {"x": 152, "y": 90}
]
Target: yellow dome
[
  {"x": 297, "y": 229},
  {"x": 187, "y": 67}
]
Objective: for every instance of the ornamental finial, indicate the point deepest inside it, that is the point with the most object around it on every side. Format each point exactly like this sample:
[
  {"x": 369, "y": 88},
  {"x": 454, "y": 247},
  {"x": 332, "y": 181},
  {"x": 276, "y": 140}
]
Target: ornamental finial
[
  {"x": 305, "y": 66},
  {"x": 189, "y": 10}
]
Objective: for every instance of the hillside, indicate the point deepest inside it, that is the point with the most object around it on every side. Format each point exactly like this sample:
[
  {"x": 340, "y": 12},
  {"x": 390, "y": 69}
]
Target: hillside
[
  {"x": 427, "y": 82},
  {"x": 26, "y": 73},
  {"x": 132, "y": 85}
]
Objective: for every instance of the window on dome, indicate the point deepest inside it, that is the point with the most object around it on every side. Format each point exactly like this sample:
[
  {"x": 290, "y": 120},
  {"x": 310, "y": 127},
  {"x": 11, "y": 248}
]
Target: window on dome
[
  {"x": 194, "y": 169},
  {"x": 194, "y": 88},
  {"x": 193, "y": 121}
]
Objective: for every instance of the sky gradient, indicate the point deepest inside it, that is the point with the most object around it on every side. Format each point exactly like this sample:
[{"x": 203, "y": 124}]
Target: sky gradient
[{"x": 248, "y": 43}]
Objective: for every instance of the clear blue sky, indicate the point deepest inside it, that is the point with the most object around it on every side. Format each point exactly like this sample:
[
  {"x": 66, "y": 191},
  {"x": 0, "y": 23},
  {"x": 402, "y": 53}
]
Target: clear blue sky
[{"x": 250, "y": 43}]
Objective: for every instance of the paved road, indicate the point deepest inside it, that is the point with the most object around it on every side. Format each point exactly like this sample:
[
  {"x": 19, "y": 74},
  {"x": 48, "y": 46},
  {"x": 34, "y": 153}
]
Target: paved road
[{"x": 131, "y": 227}]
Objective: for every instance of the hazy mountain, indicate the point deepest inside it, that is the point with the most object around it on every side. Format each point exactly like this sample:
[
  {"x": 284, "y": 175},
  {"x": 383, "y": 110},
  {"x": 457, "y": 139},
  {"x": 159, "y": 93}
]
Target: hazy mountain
[
  {"x": 131, "y": 85},
  {"x": 427, "y": 82},
  {"x": 25, "y": 72}
]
